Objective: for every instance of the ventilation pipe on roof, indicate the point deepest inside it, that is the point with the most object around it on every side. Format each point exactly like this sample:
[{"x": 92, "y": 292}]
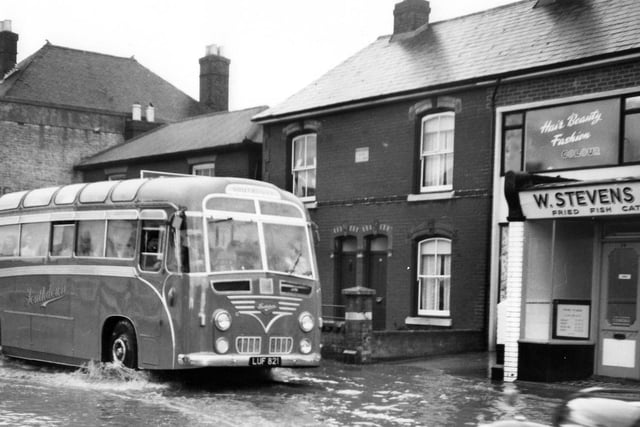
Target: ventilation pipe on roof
[
  {"x": 409, "y": 15},
  {"x": 151, "y": 113},
  {"x": 8, "y": 48},
  {"x": 214, "y": 79},
  {"x": 136, "y": 111}
]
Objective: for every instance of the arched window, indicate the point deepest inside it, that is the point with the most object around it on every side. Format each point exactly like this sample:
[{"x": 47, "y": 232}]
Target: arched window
[
  {"x": 434, "y": 276},
  {"x": 436, "y": 152}
]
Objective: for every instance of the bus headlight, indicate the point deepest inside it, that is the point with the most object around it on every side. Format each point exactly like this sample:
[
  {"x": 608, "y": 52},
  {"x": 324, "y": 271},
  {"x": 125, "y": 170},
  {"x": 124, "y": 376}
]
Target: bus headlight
[
  {"x": 222, "y": 345},
  {"x": 306, "y": 321},
  {"x": 305, "y": 346},
  {"x": 222, "y": 319}
]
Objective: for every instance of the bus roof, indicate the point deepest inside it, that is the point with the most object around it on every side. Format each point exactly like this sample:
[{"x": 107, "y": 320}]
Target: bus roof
[{"x": 185, "y": 192}]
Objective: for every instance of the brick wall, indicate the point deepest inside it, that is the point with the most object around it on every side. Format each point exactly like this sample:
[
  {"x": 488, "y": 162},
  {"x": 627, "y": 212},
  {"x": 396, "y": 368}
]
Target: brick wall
[
  {"x": 40, "y": 144},
  {"x": 375, "y": 192}
]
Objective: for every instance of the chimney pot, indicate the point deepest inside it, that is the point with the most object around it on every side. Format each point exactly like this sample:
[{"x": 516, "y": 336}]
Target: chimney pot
[
  {"x": 5, "y": 25},
  {"x": 409, "y": 15},
  {"x": 151, "y": 113},
  {"x": 136, "y": 111}
]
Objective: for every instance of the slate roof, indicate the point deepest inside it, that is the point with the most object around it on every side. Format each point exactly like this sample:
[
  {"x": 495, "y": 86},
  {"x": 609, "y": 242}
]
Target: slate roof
[
  {"x": 197, "y": 133},
  {"x": 71, "y": 77},
  {"x": 512, "y": 38}
]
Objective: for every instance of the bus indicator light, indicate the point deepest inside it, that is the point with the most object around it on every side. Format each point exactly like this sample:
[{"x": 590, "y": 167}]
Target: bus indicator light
[
  {"x": 305, "y": 346},
  {"x": 222, "y": 345}
]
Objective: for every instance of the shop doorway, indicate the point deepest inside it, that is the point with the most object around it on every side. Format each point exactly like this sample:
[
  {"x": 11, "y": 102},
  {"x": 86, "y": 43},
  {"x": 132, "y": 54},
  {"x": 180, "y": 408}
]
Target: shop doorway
[{"x": 618, "y": 339}]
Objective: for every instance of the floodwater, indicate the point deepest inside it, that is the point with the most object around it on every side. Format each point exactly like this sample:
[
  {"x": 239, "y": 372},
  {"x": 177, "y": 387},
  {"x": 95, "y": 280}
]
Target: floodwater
[{"x": 334, "y": 394}]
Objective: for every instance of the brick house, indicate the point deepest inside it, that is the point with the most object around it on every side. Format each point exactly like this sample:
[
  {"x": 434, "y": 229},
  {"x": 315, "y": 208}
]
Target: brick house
[
  {"x": 61, "y": 105},
  {"x": 400, "y": 153}
]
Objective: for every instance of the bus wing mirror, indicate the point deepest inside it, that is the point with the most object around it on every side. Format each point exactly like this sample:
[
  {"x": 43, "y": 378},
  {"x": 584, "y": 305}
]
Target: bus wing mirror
[
  {"x": 177, "y": 219},
  {"x": 316, "y": 233}
]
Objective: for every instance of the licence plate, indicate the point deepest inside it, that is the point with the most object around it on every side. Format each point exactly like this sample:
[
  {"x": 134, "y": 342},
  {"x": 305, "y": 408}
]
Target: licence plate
[{"x": 265, "y": 361}]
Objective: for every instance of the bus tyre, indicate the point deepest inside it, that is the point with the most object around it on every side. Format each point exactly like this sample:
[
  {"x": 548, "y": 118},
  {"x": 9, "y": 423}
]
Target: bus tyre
[{"x": 122, "y": 345}]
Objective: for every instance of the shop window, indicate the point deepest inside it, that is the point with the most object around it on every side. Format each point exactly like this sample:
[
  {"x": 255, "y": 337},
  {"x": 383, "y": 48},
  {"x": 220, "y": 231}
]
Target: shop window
[
  {"x": 631, "y": 142},
  {"x": 204, "y": 169},
  {"x": 90, "y": 239},
  {"x": 116, "y": 177},
  {"x": 436, "y": 152},
  {"x": 34, "y": 239},
  {"x": 434, "y": 276},
  {"x": 303, "y": 166},
  {"x": 598, "y": 133}
]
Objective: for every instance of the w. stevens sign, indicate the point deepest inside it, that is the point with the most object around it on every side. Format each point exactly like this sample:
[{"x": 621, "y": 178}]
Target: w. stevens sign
[
  {"x": 592, "y": 200},
  {"x": 572, "y": 136}
]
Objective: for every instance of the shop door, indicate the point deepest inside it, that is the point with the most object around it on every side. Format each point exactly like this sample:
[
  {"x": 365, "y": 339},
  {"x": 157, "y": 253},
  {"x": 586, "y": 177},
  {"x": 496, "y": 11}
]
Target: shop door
[{"x": 618, "y": 341}]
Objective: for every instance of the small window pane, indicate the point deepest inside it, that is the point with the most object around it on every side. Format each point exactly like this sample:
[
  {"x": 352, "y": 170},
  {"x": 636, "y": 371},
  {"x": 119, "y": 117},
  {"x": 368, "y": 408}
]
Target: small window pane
[
  {"x": 63, "y": 238},
  {"x": 39, "y": 197},
  {"x": 632, "y": 138},
  {"x": 280, "y": 209},
  {"x": 68, "y": 193},
  {"x": 632, "y": 103},
  {"x": 512, "y": 156},
  {"x": 121, "y": 238},
  {"x": 231, "y": 204},
  {"x": 90, "y": 238},
  {"x": 513, "y": 120},
  {"x": 9, "y": 240},
  {"x": 34, "y": 239},
  {"x": 311, "y": 151}
]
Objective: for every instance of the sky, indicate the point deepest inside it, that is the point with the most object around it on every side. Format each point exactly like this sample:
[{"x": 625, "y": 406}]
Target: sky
[{"x": 276, "y": 47}]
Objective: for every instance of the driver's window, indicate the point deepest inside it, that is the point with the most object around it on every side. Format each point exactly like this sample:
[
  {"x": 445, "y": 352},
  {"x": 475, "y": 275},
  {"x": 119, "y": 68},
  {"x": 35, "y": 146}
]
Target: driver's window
[{"x": 151, "y": 245}]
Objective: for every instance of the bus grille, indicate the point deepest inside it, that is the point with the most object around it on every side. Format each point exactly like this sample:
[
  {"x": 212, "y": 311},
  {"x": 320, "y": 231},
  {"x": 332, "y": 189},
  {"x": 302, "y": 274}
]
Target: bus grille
[
  {"x": 248, "y": 345},
  {"x": 280, "y": 345}
]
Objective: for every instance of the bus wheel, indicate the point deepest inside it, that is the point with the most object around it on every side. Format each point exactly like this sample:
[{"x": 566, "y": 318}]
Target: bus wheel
[{"x": 122, "y": 345}]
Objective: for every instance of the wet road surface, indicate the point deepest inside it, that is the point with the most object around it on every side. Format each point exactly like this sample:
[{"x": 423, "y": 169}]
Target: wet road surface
[{"x": 444, "y": 392}]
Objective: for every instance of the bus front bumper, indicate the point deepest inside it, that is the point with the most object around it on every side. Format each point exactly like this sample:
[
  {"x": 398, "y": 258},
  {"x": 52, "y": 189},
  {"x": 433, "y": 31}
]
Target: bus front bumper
[{"x": 206, "y": 359}]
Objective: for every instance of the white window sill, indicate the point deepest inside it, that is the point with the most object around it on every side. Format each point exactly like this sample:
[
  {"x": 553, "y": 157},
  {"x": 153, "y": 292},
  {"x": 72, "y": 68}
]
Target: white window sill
[
  {"x": 440, "y": 195},
  {"x": 428, "y": 321}
]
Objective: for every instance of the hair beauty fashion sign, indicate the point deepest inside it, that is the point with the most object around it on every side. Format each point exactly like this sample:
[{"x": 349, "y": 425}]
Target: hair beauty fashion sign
[{"x": 616, "y": 198}]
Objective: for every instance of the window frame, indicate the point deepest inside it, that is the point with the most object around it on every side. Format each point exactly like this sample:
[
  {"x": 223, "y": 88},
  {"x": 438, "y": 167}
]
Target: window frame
[
  {"x": 305, "y": 168},
  {"x": 436, "y": 153},
  {"x": 210, "y": 166},
  {"x": 420, "y": 277}
]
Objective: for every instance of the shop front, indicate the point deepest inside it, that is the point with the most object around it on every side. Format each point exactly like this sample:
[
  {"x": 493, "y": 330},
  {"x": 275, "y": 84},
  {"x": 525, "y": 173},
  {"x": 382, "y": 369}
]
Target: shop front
[
  {"x": 569, "y": 239},
  {"x": 580, "y": 265}
]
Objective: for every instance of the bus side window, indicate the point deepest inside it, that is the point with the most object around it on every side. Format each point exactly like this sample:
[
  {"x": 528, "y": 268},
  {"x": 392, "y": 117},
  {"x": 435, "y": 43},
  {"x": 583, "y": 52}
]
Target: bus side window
[
  {"x": 90, "y": 238},
  {"x": 9, "y": 240},
  {"x": 121, "y": 238},
  {"x": 34, "y": 239},
  {"x": 151, "y": 245},
  {"x": 62, "y": 239}
]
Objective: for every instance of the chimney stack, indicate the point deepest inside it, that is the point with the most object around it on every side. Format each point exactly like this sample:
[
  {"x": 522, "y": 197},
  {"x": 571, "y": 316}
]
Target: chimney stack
[
  {"x": 136, "y": 111},
  {"x": 8, "y": 48},
  {"x": 409, "y": 15},
  {"x": 214, "y": 79},
  {"x": 151, "y": 113}
]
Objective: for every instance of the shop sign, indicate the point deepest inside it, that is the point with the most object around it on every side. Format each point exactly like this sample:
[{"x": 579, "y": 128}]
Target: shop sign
[
  {"x": 572, "y": 136},
  {"x": 584, "y": 201}
]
